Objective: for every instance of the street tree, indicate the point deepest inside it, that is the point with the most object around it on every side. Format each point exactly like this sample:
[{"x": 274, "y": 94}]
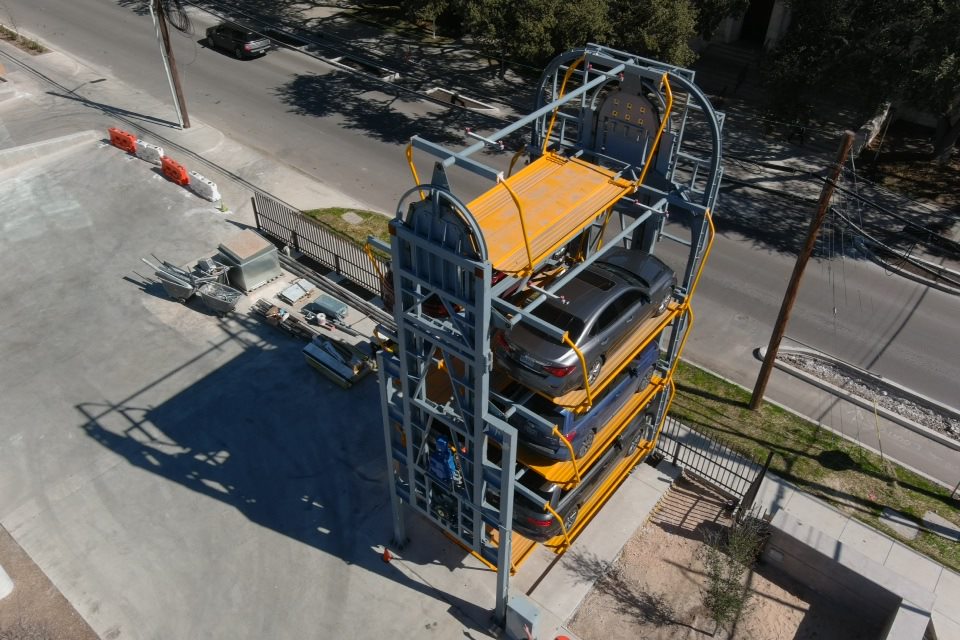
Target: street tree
[
  {"x": 580, "y": 22},
  {"x": 865, "y": 52},
  {"x": 710, "y": 13},
  {"x": 660, "y": 30},
  {"x": 507, "y": 30}
]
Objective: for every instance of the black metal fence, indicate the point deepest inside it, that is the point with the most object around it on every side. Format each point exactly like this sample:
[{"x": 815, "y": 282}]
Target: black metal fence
[
  {"x": 711, "y": 461},
  {"x": 332, "y": 250}
]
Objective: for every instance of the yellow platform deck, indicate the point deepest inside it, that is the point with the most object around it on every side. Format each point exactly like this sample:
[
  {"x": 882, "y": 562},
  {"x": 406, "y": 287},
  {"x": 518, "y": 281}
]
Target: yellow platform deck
[
  {"x": 560, "y": 543},
  {"x": 565, "y": 472},
  {"x": 559, "y": 197},
  {"x": 618, "y": 359}
]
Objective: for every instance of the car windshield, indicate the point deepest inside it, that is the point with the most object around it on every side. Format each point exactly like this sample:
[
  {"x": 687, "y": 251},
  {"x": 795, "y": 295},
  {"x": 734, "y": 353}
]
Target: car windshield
[{"x": 560, "y": 319}]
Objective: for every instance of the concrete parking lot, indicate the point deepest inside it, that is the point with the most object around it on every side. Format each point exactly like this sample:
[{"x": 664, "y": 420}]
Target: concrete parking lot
[{"x": 176, "y": 474}]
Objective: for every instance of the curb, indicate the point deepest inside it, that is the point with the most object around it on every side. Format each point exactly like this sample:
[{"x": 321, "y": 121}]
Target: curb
[
  {"x": 826, "y": 427},
  {"x": 863, "y": 402},
  {"x": 861, "y": 246}
]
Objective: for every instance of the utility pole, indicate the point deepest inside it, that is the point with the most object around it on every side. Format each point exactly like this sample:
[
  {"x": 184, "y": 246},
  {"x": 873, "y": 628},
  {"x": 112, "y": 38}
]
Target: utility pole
[
  {"x": 794, "y": 286},
  {"x": 169, "y": 62}
]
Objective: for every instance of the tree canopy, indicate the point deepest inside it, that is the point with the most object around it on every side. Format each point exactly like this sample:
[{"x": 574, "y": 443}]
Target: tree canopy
[
  {"x": 866, "y": 52},
  {"x": 532, "y": 32}
]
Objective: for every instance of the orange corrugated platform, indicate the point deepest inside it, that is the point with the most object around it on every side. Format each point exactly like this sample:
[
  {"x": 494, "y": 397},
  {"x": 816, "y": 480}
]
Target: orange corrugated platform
[{"x": 559, "y": 196}]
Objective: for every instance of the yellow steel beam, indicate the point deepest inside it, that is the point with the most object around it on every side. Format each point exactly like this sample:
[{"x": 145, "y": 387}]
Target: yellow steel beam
[{"x": 663, "y": 125}]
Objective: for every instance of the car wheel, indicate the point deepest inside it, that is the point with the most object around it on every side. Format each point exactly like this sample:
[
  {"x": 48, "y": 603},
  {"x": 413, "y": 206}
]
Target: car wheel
[
  {"x": 571, "y": 518},
  {"x": 585, "y": 445},
  {"x": 593, "y": 371},
  {"x": 238, "y": 53}
]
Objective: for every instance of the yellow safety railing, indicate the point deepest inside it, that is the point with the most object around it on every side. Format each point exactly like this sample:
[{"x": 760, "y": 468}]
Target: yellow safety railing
[
  {"x": 663, "y": 418},
  {"x": 683, "y": 343},
  {"x": 563, "y": 525},
  {"x": 706, "y": 254},
  {"x": 367, "y": 249},
  {"x": 413, "y": 169},
  {"x": 573, "y": 456},
  {"x": 563, "y": 88},
  {"x": 513, "y": 160},
  {"x": 663, "y": 125},
  {"x": 583, "y": 365},
  {"x": 603, "y": 228},
  {"x": 523, "y": 224}
]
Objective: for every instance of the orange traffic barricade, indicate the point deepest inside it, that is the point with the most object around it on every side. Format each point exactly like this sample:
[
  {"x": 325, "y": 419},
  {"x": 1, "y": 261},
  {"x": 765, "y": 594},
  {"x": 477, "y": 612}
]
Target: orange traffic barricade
[
  {"x": 174, "y": 171},
  {"x": 123, "y": 140}
]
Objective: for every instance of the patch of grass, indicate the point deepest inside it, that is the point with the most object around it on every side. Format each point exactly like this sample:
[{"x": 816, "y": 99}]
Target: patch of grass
[
  {"x": 28, "y": 45},
  {"x": 372, "y": 224},
  {"x": 835, "y": 470}
]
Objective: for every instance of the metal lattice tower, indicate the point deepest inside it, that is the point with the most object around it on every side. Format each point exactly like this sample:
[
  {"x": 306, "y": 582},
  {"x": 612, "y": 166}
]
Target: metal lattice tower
[{"x": 610, "y": 156}]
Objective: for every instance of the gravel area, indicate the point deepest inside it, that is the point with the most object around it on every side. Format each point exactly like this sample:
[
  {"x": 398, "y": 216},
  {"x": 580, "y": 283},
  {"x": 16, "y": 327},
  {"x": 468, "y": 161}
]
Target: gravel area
[
  {"x": 35, "y": 610},
  {"x": 887, "y": 397},
  {"x": 655, "y": 588}
]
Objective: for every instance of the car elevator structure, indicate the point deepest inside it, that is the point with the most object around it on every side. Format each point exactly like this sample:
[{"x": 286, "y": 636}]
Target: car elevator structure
[{"x": 616, "y": 144}]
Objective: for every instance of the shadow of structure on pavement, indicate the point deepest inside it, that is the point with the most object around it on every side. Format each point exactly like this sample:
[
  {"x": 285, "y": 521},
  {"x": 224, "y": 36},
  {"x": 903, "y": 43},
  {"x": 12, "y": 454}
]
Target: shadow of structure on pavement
[
  {"x": 362, "y": 104},
  {"x": 280, "y": 444}
]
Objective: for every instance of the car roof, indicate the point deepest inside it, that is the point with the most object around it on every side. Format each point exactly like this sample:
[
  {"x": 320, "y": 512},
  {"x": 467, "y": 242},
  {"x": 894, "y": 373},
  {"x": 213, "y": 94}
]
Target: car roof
[{"x": 588, "y": 290}]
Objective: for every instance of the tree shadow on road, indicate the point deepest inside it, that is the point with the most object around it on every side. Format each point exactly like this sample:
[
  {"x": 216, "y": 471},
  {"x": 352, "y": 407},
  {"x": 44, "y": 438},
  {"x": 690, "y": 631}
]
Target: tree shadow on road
[{"x": 363, "y": 104}]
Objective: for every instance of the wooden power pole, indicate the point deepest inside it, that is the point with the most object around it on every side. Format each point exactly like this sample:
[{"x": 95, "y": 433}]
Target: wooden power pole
[
  {"x": 169, "y": 62},
  {"x": 823, "y": 206}
]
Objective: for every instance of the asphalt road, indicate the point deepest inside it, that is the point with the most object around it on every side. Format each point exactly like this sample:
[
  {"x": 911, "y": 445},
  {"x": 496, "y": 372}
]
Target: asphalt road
[{"x": 289, "y": 106}]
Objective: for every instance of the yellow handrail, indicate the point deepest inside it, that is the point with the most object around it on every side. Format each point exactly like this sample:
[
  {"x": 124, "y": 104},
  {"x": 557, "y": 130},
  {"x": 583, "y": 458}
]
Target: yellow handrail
[
  {"x": 663, "y": 418},
  {"x": 603, "y": 228},
  {"x": 663, "y": 125},
  {"x": 583, "y": 365},
  {"x": 573, "y": 457},
  {"x": 703, "y": 260},
  {"x": 686, "y": 334},
  {"x": 367, "y": 249},
  {"x": 514, "y": 159},
  {"x": 413, "y": 169},
  {"x": 563, "y": 525},
  {"x": 563, "y": 88},
  {"x": 523, "y": 223}
]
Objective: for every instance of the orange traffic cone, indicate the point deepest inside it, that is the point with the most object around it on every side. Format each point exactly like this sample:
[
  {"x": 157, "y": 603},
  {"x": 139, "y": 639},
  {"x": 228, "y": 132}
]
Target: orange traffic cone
[{"x": 387, "y": 556}]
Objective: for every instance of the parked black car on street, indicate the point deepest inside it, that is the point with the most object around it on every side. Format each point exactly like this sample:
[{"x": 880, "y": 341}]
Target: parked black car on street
[{"x": 242, "y": 41}]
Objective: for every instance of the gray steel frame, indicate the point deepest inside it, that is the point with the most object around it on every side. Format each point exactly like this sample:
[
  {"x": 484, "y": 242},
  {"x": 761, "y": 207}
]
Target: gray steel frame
[{"x": 425, "y": 263}]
